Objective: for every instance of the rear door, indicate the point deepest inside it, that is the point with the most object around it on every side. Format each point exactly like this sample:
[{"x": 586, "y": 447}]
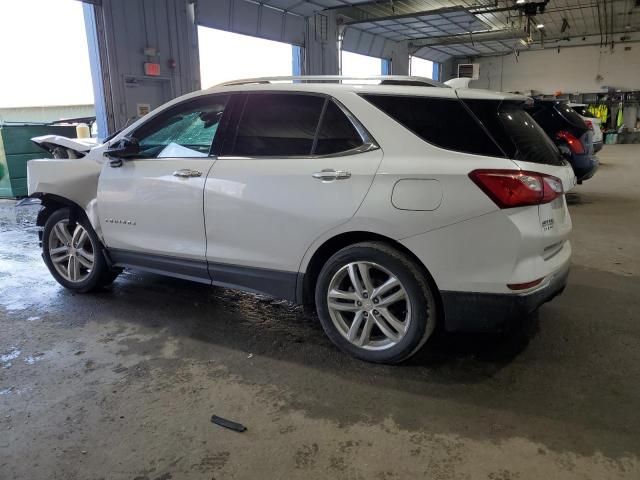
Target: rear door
[{"x": 293, "y": 166}]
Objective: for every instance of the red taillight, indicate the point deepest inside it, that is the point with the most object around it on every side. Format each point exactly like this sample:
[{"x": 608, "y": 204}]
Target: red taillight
[
  {"x": 524, "y": 286},
  {"x": 574, "y": 144},
  {"x": 515, "y": 188},
  {"x": 589, "y": 124}
]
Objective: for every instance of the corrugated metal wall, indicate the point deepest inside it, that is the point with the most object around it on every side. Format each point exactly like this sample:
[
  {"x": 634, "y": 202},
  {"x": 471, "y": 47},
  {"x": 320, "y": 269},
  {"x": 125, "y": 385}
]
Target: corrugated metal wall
[{"x": 124, "y": 28}]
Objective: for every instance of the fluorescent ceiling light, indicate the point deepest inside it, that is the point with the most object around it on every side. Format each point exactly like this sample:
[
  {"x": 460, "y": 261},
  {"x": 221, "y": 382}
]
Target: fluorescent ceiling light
[{"x": 540, "y": 26}]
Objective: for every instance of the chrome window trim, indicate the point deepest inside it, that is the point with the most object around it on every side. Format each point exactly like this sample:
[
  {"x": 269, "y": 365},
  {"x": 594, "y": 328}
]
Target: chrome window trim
[
  {"x": 365, "y": 136},
  {"x": 367, "y": 147}
]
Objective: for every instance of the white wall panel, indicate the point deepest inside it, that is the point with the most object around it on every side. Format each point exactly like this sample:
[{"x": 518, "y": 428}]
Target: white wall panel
[{"x": 572, "y": 70}]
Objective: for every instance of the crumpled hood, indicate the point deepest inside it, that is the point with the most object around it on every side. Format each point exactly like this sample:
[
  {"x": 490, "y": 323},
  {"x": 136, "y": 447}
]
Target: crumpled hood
[{"x": 79, "y": 145}]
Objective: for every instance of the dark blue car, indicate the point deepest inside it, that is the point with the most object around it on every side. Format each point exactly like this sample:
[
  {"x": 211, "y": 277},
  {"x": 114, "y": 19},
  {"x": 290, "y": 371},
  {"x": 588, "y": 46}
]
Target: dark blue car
[{"x": 570, "y": 133}]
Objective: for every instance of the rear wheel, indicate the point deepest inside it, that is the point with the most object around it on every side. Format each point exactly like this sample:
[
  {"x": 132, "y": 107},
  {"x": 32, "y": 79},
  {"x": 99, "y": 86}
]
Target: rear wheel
[
  {"x": 375, "y": 303},
  {"x": 72, "y": 252}
]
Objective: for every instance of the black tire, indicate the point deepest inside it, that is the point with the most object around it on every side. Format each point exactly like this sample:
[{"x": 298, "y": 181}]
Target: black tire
[
  {"x": 110, "y": 276},
  {"x": 99, "y": 276},
  {"x": 420, "y": 296}
]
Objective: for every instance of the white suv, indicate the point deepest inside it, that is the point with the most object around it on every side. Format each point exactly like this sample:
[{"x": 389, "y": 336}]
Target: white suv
[
  {"x": 394, "y": 207},
  {"x": 593, "y": 122}
]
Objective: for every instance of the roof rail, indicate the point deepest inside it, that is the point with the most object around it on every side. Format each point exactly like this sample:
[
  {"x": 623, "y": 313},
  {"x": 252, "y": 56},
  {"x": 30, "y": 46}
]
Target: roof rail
[{"x": 407, "y": 80}]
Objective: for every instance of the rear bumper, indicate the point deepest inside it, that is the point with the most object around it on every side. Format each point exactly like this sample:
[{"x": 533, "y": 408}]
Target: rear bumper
[
  {"x": 585, "y": 166},
  {"x": 485, "y": 312},
  {"x": 597, "y": 146}
]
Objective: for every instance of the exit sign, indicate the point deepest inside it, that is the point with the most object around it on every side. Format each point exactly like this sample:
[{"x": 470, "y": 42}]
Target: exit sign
[{"x": 152, "y": 69}]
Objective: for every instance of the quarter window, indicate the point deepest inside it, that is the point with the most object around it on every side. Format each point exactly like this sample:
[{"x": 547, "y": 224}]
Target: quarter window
[
  {"x": 443, "y": 122},
  {"x": 185, "y": 131},
  {"x": 336, "y": 134}
]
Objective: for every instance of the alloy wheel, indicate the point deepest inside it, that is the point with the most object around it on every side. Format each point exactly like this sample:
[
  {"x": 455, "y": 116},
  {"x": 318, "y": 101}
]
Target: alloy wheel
[
  {"x": 369, "y": 306},
  {"x": 71, "y": 251}
]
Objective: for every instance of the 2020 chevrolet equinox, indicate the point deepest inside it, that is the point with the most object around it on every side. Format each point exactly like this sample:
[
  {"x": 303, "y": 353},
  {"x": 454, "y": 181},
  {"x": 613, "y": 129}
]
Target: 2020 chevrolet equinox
[{"x": 394, "y": 207}]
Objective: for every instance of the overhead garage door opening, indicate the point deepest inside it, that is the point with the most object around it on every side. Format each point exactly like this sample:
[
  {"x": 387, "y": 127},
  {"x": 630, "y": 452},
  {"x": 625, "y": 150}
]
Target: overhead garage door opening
[
  {"x": 421, "y": 67},
  {"x": 356, "y": 65},
  {"x": 228, "y": 56},
  {"x": 46, "y": 74}
]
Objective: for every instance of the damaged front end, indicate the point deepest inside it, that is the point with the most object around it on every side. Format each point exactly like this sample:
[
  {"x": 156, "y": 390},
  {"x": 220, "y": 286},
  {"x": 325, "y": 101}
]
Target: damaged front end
[{"x": 64, "y": 147}]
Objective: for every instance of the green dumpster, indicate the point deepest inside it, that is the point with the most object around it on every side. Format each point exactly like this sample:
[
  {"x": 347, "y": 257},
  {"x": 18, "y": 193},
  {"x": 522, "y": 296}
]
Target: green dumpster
[{"x": 16, "y": 148}]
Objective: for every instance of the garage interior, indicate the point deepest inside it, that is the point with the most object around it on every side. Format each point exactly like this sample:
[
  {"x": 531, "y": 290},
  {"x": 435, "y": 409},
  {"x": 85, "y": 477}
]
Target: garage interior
[{"x": 122, "y": 384}]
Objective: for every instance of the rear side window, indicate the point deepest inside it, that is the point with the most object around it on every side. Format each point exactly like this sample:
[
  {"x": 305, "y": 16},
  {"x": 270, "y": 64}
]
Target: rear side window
[
  {"x": 443, "y": 122},
  {"x": 336, "y": 134},
  {"x": 518, "y": 135},
  {"x": 274, "y": 124}
]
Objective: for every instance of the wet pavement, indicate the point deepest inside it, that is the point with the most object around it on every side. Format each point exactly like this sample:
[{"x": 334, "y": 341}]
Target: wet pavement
[{"x": 122, "y": 384}]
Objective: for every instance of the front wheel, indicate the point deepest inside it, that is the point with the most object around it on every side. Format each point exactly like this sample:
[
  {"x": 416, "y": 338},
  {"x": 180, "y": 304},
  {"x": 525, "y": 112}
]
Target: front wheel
[
  {"x": 72, "y": 252},
  {"x": 375, "y": 303}
]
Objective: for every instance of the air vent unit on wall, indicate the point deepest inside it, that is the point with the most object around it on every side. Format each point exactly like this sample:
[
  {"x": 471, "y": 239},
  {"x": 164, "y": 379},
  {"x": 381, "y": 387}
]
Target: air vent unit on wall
[{"x": 469, "y": 70}]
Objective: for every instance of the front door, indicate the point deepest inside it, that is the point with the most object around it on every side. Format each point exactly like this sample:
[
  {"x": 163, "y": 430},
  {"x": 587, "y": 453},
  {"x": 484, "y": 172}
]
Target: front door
[{"x": 152, "y": 205}]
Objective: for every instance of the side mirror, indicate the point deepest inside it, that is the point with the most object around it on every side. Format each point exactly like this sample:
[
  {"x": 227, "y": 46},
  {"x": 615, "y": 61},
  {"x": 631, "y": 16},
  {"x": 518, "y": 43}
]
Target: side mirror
[{"x": 126, "y": 147}]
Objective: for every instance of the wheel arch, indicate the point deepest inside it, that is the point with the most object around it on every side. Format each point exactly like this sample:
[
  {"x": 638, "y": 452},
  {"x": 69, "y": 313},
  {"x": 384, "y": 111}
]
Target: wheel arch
[
  {"x": 51, "y": 203},
  {"x": 307, "y": 280}
]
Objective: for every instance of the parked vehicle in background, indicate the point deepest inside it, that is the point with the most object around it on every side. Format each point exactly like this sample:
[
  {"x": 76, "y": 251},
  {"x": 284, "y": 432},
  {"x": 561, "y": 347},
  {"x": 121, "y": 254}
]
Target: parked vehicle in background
[
  {"x": 592, "y": 122},
  {"x": 361, "y": 199},
  {"x": 569, "y": 132}
]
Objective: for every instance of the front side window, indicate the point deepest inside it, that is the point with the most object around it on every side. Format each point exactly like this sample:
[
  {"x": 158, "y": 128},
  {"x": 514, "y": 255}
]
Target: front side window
[
  {"x": 277, "y": 124},
  {"x": 185, "y": 131}
]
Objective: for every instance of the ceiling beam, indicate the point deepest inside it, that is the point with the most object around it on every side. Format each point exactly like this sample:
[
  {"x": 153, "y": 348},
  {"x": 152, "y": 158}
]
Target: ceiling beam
[
  {"x": 359, "y": 15},
  {"x": 466, "y": 38}
]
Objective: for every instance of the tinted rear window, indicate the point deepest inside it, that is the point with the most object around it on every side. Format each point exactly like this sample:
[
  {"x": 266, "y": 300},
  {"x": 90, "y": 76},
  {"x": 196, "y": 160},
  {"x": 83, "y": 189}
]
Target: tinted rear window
[
  {"x": 518, "y": 135},
  {"x": 553, "y": 116},
  {"x": 582, "y": 110},
  {"x": 570, "y": 115},
  {"x": 443, "y": 122}
]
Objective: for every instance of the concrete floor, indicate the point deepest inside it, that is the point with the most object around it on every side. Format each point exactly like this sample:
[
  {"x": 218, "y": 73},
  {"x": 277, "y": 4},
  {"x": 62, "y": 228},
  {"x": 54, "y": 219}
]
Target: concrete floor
[{"x": 122, "y": 384}]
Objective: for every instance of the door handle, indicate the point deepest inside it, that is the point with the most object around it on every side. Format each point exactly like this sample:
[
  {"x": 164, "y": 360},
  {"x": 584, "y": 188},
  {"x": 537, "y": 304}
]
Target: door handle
[
  {"x": 186, "y": 173},
  {"x": 329, "y": 175}
]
